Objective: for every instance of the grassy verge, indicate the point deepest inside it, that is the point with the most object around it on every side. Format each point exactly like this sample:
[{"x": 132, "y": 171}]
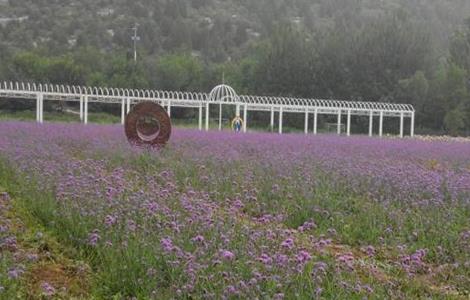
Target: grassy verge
[
  {"x": 33, "y": 263},
  {"x": 62, "y": 117},
  {"x": 106, "y": 118}
]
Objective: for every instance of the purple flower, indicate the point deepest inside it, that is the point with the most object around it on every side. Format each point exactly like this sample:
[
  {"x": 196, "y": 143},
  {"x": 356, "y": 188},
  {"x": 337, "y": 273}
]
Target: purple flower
[
  {"x": 281, "y": 259},
  {"x": 48, "y": 289},
  {"x": 368, "y": 289},
  {"x": 288, "y": 243},
  {"x": 167, "y": 244},
  {"x": 4, "y": 196},
  {"x": 265, "y": 259},
  {"x": 303, "y": 257},
  {"x": 198, "y": 239},
  {"x": 307, "y": 226},
  {"x": 275, "y": 188},
  {"x": 110, "y": 220},
  {"x": 346, "y": 260},
  {"x": 320, "y": 268},
  {"x": 369, "y": 250},
  {"x": 32, "y": 257},
  {"x": 231, "y": 290},
  {"x": 227, "y": 255},
  {"x": 131, "y": 225},
  {"x": 94, "y": 238},
  {"x": 9, "y": 243},
  {"x": 15, "y": 273}
]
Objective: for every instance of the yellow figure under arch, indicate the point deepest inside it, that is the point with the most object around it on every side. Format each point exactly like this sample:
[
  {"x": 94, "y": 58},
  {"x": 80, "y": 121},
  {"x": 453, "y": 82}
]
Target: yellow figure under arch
[{"x": 237, "y": 124}]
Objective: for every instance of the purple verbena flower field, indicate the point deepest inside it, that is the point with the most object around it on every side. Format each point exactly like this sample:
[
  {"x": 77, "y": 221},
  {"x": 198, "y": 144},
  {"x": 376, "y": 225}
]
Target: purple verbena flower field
[{"x": 258, "y": 216}]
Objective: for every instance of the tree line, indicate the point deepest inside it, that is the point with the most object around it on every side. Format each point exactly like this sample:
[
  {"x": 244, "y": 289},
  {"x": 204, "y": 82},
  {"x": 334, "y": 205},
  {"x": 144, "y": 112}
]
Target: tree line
[{"x": 389, "y": 59}]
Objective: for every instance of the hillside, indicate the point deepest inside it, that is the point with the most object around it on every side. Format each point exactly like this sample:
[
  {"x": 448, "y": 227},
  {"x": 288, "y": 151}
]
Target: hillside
[
  {"x": 214, "y": 29},
  {"x": 398, "y": 51}
]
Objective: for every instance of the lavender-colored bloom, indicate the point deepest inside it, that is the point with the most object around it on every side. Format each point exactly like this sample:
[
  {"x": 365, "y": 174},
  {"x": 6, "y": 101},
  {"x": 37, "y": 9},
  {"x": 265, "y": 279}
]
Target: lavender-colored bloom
[
  {"x": 278, "y": 296},
  {"x": 318, "y": 292},
  {"x": 281, "y": 259},
  {"x": 94, "y": 238},
  {"x": 303, "y": 257},
  {"x": 4, "y": 196},
  {"x": 231, "y": 290},
  {"x": 198, "y": 239},
  {"x": 368, "y": 289},
  {"x": 320, "y": 268},
  {"x": 288, "y": 243},
  {"x": 48, "y": 289},
  {"x": 227, "y": 255},
  {"x": 110, "y": 220},
  {"x": 265, "y": 259},
  {"x": 9, "y": 243},
  {"x": 167, "y": 244},
  {"x": 369, "y": 250},
  {"x": 309, "y": 225},
  {"x": 15, "y": 273},
  {"x": 32, "y": 257}
]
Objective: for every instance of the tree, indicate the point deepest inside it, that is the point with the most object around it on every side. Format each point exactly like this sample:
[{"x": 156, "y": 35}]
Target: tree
[
  {"x": 454, "y": 121},
  {"x": 28, "y": 66},
  {"x": 460, "y": 47},
  {"x": 285, "y": 64},
  {"x": 178, "y": 72}
]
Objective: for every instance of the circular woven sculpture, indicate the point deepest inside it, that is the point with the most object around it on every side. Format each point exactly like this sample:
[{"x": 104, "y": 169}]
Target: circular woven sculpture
[{"x": 148, "y": 124}]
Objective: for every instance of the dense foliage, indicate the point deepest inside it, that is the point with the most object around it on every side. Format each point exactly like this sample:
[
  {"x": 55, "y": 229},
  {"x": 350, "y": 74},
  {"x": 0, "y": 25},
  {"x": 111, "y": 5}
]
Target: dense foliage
[
  {"x": 226, "y": 216},
  {"x": 395, "y": 51}
]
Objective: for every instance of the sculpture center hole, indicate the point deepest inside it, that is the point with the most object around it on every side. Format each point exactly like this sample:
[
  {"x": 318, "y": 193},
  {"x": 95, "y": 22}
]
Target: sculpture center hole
[{"x": 148, "y": 128}]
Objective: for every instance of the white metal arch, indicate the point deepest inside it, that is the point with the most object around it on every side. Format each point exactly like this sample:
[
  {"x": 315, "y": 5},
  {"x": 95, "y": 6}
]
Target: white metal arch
[{"x": 222, "y": 94}]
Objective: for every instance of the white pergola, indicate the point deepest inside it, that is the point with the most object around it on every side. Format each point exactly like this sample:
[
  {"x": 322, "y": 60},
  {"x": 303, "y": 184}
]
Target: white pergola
[{"x": 220, "y": 95}]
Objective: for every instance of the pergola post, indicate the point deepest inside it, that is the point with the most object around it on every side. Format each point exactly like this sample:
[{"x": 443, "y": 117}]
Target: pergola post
[
  {"x": 123, "y": 111},
  {"x": 402, "y": 117},
  {"x": 339, "y": 122},
  {"x": 412, "y": 129},
  {"x": 128, "y": 109},
  {"x": 85, "y": 110},
  {"x": 38, "y": 108},
  {"x": 381, "y": 124},
  {"x": 41, "y": 108},
  {"x": 81, "y": 108},
  {"x": 272, "y": 118},
  {"x": 371, "y": 124},
  {"x": 280, "y": 119},
  {"x": 237, "y": 113},
  {"x": 207, "y": 116},
  {"x": 306, "y": 120},
  {"x": 200, "y": 116},
  {"x": 169, "y": 108},
  {"x": 349, "y": 123},
  {"x": 245, "y": 117},
  {"x": 220, "y": 116},
  {"x": 315, "y": 122}
]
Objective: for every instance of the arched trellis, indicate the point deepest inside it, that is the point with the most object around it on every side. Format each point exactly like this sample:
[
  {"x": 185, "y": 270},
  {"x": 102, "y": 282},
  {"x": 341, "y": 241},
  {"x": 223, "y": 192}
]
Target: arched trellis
[{"x": 221, "y": 95}]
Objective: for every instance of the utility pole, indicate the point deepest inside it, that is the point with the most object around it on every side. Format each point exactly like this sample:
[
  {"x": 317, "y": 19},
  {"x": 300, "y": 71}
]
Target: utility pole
[{"x": 135, "y": 38}]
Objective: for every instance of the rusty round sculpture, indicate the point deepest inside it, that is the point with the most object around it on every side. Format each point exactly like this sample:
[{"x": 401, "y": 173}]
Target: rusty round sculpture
[{"x": 148, "y": 124}]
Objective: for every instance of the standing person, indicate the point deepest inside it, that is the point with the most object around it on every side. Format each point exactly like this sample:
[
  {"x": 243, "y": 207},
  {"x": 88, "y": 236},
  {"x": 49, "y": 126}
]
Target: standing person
[{"x": 237, "y": 124}]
